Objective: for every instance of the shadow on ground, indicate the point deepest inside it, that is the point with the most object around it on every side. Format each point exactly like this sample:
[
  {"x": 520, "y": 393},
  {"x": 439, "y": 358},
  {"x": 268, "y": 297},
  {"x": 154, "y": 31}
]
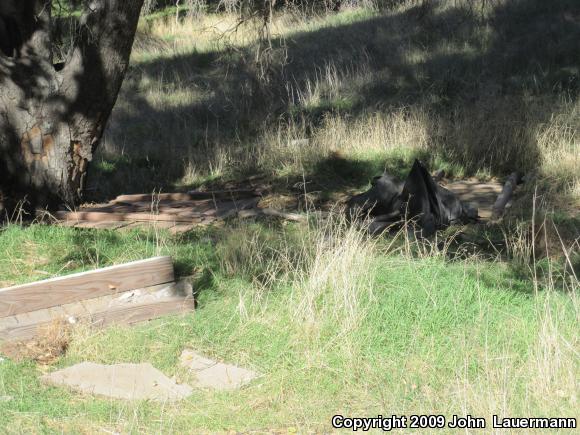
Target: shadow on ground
[{"x": 482, "y": 75}]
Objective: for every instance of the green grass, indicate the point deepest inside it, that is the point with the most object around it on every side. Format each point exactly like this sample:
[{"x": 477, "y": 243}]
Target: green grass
[
  {"x": 41, "y": 251},
  {"x": 372, "y": 334}
]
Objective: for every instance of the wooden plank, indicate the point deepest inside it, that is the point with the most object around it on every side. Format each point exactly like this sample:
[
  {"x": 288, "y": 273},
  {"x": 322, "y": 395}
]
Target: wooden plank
[
  {"x": 189, "y": 196},
  {"x": 224, "y": 194},
  {"x": 87, "y": 306},
  {"x": 144, "y": 205},
  {"x": 128, "y": 307},
  {"x": 147, "y": 197},
  {"x": 284, "y": 215},
  {"x": 166, "y": 213},
  {"x": 162, "y": 217},
  {"x": 231, "y": 208},
  {"x": 134, "y": 313},
  {"x": 86, "y": 224},
  {"x": 243, "y": 214},
  {"x": 110, "y": 225},
  {"x": 481, "y": 195},
  {"x": 79, "y": 286},
  {"x": 154, "y": 225},
  {"x": 68, "y": 223},
  {"x": 99, "y": 216},
  {"x": 162, "y": 225},
  {"x": 89, "y": 216},
  {"x": 132, "y": 226},
  {"x": 254, "y": 212},
  {"x": 181, "y": 228},
  {"x": 125, "y": 315}
]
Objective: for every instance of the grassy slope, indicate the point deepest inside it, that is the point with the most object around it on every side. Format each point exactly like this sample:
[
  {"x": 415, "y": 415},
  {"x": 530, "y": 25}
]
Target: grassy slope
[
  {"x": 330, "y": 331},
  {"x": 475, "y": 91}
]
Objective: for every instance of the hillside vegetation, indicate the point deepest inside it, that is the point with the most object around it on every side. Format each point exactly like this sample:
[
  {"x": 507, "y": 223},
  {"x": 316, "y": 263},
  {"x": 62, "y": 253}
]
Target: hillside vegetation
[
  {"x": 479, "y": 90},
  {"x": 481, "y": 320}
]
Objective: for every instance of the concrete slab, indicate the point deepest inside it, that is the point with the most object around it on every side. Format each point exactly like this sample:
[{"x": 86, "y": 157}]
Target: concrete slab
[
  {"x": 215, "y": 375},
  {"x": 119, "y": 381}
]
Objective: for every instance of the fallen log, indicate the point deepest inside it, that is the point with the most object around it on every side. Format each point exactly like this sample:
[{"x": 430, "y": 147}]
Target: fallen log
[{"x": 505, "y": 196}]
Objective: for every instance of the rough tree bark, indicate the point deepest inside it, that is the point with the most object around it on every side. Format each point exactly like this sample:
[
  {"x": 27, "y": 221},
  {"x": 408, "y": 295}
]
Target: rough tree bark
[{"x": 51, "y": 121}]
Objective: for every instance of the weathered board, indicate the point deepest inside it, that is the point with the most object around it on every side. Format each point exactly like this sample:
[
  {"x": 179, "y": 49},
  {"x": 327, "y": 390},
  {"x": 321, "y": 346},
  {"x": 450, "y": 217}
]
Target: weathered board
[
  {"x": 183, "y": 208},
  {"x": 480, "y": 195},
  {"x": 180, "y": 228},
  {"x": 175, "y": 212},
  {"x": 191, "y": 195},
  {"x": 85, "y": 285},
  {"x": 243, "y": 214},
  {"x": 109, "y": 225},
  {"x": 127, "y": 308}
]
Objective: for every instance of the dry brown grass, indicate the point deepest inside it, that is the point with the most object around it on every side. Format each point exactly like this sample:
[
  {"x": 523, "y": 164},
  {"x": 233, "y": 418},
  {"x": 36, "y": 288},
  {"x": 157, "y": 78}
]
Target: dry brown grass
[
  {"x": 51, "y": 343},
  {"x": 490, "y": 134}
]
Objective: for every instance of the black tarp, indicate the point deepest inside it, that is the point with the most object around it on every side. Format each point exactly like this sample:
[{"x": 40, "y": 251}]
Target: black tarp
[{"x": 418, "y": 199}]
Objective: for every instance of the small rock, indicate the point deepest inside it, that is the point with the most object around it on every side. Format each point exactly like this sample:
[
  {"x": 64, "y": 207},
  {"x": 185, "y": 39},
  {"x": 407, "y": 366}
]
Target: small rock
[{"x": 213, "y": 374}]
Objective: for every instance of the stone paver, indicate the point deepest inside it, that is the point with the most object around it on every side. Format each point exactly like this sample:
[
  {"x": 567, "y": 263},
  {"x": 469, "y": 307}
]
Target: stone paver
[
  {"x": 215, "y": 375},
  {"x": 119, "y": 381}
]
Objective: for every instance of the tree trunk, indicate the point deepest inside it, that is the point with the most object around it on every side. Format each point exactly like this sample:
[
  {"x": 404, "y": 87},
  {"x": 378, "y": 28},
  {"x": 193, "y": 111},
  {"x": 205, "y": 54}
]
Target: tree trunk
[{"x": 51, "y": 121}]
